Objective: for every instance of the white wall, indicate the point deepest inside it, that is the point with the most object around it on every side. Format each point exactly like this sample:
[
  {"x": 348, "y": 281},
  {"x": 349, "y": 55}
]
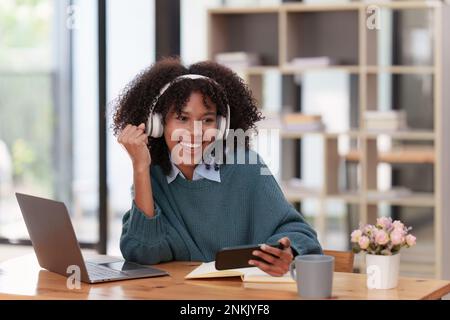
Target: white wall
[{"x": 194, "y": 46}]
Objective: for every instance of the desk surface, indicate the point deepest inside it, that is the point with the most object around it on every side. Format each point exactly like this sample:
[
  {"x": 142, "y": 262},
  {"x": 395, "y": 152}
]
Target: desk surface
[{"x": 22, "y": 278}]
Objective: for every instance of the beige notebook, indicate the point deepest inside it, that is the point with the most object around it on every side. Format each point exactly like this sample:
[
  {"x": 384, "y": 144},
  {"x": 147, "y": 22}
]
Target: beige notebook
[{"x": 208, "y": 270}]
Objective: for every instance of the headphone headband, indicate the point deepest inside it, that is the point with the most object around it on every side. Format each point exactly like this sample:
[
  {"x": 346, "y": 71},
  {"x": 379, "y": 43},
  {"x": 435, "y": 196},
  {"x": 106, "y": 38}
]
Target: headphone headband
[{"x": 184, "y": 76}]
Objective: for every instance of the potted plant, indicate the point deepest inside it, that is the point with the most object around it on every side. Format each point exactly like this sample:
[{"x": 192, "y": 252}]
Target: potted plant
[{"x": 382, "y": 244}]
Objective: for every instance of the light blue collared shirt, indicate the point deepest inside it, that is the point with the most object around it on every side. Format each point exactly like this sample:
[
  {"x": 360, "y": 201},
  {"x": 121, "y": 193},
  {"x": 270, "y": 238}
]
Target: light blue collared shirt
[{"x": 200, "y": 172}]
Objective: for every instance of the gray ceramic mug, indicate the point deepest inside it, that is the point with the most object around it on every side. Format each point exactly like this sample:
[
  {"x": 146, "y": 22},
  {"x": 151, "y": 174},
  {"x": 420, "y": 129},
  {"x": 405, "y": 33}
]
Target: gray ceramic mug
[{"x": 313, "y": 274}]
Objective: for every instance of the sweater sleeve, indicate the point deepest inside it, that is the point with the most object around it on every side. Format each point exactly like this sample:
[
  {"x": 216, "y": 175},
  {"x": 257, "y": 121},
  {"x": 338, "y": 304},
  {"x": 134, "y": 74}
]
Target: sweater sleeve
[
  {"x": 277, "y": 218},
  {"x": 303, "y": 238},
  {"x": 149, "y": 240}
]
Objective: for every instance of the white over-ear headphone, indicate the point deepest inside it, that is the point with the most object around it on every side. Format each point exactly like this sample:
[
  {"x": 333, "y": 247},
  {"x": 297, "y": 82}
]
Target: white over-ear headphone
[{"x": 155, "y": 127}]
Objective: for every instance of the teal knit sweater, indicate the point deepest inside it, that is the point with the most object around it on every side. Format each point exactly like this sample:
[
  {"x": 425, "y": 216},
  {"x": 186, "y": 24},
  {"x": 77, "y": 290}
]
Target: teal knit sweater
[{"x": 195, "y": 219}]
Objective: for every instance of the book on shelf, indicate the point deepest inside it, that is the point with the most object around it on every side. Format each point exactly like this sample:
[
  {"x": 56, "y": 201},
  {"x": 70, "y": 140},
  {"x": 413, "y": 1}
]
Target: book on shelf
[
  {"x": 302, "y": 122},
  {"x": 239, "y": 59},
  {"x": 385, "y": 120},
  {"x": 406, "y": 154},
  {"x": 306, "y": 127},
  {"x": 294, "y": 118},
  {"x": 252, "y": 274},
  {"x": 241, "y": 3},
  {"x": 304, "y": 62},
  {"x": 409, "y": 154}
]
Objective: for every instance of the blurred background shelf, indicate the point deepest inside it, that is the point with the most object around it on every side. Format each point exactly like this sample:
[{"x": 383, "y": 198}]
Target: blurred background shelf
[
  {"x": 400, "y": 69},
  {"x": 396, "y": 135},
  {"x": 292, "y": 69},
  {"x": 415, "y": 199},
  {"x": 405, "y": 156},
  {"x": 288, "y": 69},
  {"x": 298, "y": 194},
  {"x": 402, "y": 135},
  {"x": 353, "y": 76},
  {"x": 347, "y": 197}
]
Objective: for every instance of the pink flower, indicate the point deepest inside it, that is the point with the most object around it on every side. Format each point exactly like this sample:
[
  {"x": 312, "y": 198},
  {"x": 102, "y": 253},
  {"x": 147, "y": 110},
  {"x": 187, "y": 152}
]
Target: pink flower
[
  {"x": 356, "y": 235},
  {"x": 368, "y": 229},
  {"x": 381, "y": 237},
  {"x": 410, "y": 240},
  {"x": 397, "y": 237},
  {"x": 398, "y": 225},
  {"x": 364, "y": 242},
  {"x": 384, "y": 222}
]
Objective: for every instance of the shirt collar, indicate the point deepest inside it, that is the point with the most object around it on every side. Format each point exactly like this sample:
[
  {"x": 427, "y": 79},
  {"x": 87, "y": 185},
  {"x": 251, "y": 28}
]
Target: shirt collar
[{"x": 200, "y": 172}]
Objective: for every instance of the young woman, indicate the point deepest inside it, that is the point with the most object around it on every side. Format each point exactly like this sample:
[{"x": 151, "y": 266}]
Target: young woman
[{"x": 185, "y": 208}]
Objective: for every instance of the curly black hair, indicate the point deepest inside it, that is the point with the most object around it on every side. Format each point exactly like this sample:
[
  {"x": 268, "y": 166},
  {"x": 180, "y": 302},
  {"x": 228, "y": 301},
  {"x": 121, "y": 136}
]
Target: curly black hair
[{"x": 132, "y": 106}]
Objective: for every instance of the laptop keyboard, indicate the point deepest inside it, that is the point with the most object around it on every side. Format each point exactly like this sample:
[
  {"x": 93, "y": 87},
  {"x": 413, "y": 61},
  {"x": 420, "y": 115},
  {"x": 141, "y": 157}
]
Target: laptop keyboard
[{"x": 97, "y": 272}]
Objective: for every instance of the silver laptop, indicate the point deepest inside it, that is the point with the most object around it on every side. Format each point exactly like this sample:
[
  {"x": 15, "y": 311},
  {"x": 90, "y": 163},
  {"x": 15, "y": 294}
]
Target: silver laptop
[{"x": 57, "y": 248}]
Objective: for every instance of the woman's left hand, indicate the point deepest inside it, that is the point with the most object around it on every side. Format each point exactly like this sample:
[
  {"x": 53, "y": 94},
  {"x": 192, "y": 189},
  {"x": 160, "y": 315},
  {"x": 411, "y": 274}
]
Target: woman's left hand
[{"x": 277, "y": 261}]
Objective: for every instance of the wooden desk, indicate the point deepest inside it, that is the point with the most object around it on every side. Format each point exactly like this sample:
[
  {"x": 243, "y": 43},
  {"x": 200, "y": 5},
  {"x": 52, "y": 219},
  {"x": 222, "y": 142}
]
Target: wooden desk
[{"x": 22, "y": 278}]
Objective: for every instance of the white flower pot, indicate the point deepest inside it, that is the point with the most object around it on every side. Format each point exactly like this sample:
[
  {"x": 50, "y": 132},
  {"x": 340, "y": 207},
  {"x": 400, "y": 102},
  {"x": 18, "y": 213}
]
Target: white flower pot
[{"x": 382, "y": 271}]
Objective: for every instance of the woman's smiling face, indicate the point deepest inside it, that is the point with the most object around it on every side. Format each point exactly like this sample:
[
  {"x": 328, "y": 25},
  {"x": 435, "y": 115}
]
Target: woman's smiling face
[{"x": 185, "y": 133}]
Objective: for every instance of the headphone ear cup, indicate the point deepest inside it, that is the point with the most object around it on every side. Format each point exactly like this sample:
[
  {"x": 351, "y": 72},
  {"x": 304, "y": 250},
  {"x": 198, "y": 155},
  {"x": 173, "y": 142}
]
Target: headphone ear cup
[
  {"x": 155, "y": 126},
  {"x": 158, "y": 128},
  {"x": 148, "y": 127},
  {"x": 222, "y": 127}
]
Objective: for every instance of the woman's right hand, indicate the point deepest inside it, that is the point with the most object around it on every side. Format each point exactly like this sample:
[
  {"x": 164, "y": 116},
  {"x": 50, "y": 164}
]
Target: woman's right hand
[{"x": 134, "y": 140}]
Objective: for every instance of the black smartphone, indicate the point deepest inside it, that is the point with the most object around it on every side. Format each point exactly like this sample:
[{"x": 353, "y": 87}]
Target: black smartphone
[{"x": 238, "y": 257}]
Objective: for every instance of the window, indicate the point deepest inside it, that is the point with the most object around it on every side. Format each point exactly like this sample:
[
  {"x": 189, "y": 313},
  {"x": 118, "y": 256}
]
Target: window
[
  {"x": 48, "y": 111},
  {"x": 27, "y": 108}
]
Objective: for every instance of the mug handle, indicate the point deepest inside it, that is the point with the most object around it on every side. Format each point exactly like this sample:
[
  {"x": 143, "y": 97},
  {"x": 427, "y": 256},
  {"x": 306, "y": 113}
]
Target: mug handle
[{"x": 292, "y": 270}]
